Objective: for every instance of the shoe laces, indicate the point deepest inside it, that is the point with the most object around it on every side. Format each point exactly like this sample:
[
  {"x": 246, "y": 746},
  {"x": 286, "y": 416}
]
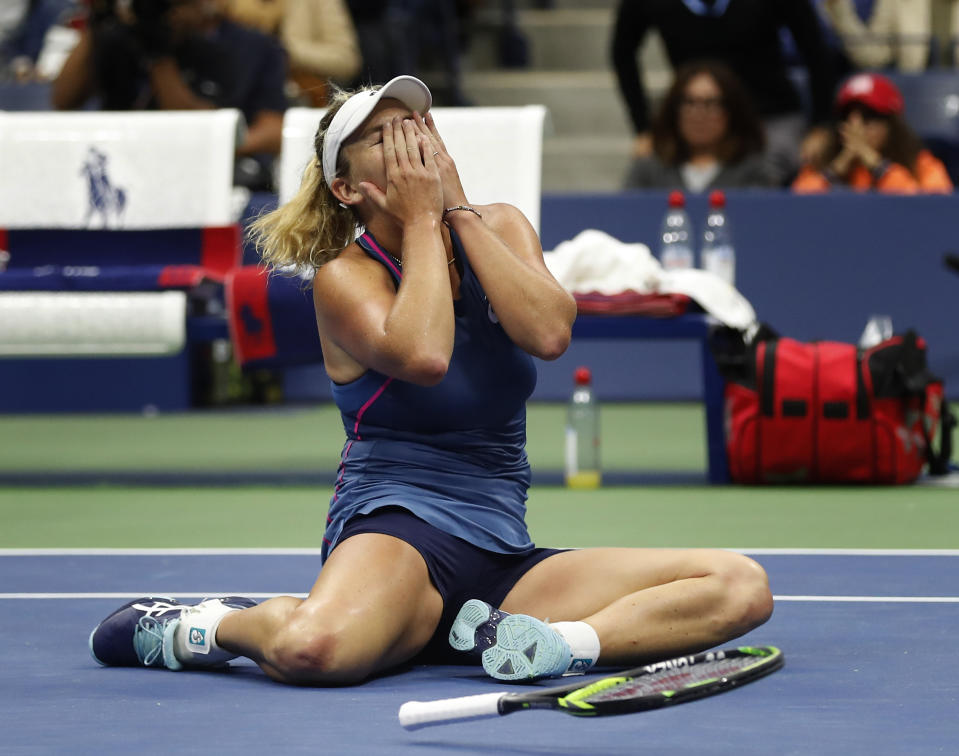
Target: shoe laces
[{"x": 148, "y": 640}]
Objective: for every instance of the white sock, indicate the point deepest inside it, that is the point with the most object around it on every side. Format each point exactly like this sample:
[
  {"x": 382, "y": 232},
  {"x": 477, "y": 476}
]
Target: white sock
[
  {"x": 193, "y": 641},
  {"x": 583, "y": 643}
]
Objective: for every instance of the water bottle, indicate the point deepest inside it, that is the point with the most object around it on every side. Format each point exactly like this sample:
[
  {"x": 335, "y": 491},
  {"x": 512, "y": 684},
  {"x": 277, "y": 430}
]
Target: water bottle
[
  {"x": 582, "y": 433},
  {"x": 717, "y": 252},
  {"x": 675, "y": 245}
]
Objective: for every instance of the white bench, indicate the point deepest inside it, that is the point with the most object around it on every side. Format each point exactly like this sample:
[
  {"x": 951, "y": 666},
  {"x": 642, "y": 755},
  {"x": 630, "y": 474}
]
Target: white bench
[
  {"x": 117, "y": 170},
  {"x": 124, "y": 196}
]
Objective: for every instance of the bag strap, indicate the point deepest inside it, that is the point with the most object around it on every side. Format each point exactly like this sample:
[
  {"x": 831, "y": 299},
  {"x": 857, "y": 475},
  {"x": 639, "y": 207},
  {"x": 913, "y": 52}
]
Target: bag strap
[
  {"x": 913, "y": 378},
  {"x": 767, "y": 389}
]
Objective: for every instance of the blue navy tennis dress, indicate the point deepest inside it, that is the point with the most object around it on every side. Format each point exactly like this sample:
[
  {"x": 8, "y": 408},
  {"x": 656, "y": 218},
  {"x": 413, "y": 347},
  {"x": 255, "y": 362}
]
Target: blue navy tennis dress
[{"x": 452, "y": 454}]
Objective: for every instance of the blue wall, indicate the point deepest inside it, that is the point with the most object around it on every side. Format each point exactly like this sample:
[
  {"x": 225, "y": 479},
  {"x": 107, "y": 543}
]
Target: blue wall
[{"x": 812, "y": 267}]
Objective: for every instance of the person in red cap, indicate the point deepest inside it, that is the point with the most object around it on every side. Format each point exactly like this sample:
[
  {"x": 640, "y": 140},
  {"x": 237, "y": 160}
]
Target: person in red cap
[{"x": 873, "y": 147}]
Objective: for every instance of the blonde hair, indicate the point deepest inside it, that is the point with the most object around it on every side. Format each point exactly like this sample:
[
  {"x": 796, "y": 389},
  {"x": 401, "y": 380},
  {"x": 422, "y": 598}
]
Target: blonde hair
[{"x": 313, "y": 227}]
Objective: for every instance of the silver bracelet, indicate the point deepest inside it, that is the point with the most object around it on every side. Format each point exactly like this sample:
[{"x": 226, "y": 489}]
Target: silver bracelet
[{"x": 467, "y": 208}]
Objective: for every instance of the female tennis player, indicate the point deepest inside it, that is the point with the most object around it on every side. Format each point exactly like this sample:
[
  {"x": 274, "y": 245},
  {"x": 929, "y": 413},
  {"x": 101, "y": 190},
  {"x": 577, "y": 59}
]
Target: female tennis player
[{"x": 429, "y": 322}]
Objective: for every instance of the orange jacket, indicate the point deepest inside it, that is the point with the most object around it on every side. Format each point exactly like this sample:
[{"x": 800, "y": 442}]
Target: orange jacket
[{"x": 930, "y": 178}]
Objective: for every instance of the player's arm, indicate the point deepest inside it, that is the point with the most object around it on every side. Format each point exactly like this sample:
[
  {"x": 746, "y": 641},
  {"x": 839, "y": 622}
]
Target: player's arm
[
  {"x": 506, "y": 256},
  {"x": 504, "y": 252},
  {"x": 408, "y": 332}
]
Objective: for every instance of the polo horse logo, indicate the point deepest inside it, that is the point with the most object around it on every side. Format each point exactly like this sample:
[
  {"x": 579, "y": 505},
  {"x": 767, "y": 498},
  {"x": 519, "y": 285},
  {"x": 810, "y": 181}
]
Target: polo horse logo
[{"x": 105, "y": 199}]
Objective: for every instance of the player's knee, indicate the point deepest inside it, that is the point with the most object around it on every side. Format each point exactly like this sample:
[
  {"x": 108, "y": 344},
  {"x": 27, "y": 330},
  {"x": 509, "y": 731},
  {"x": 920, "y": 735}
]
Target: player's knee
[
  {"x": 307, "y": 651},
  {"x": 748, "y": 601}
]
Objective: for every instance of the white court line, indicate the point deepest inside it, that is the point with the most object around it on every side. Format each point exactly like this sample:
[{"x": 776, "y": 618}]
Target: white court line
[
  {"x": 875, "y": 599},
  {"x": 850, "y": 552},
  {"x": 120, "y": 596},
  {"x": 316, "y": 552},
  {"x": 160, "y": 552},
  {"x": 128, "y": 596}
]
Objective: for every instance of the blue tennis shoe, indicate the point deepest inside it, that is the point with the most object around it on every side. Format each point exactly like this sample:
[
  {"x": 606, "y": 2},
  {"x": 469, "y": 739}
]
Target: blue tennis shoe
[
  {"x": 140, "y": 633},
  {"x": 132, "y": 636},
  {"x": 511, "y": 646}
]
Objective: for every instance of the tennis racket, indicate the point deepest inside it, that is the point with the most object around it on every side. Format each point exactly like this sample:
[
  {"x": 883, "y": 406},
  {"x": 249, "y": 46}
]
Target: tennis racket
[{"x": 664, "y": 683}]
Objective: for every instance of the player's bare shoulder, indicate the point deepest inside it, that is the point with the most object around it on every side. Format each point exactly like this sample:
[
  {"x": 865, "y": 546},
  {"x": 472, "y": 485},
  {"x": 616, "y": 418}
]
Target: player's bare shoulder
[
  {"x": 514, "y": 228},
  {"x": 349, "y": 274},
  {"x": 501, "y": 216}
]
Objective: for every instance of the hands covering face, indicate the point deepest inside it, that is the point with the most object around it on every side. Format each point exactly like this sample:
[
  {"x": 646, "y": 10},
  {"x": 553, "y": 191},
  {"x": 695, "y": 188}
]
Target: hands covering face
[
  {"x": 421, "y": 176},
  {"x": 453, "y": 193}
]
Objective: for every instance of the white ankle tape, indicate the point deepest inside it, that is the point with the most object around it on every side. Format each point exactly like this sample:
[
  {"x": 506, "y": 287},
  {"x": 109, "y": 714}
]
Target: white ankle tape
[
  {"x": 194, "y": 641},
  {"x": 583, "y": 643}
]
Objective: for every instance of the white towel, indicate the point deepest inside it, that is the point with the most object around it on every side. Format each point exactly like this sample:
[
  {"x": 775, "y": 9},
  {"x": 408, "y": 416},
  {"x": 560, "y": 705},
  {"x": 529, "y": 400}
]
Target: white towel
[{"x": 594, "y": 261}]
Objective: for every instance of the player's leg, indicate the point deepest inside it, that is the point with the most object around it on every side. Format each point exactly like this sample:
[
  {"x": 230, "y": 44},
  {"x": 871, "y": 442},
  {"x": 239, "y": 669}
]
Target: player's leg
[
  {"x": 372, "y": 607},
  {"x": 647, "y": 604}
]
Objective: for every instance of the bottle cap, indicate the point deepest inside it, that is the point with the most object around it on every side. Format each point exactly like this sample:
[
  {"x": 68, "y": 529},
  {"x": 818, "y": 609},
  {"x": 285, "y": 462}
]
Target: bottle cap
[
  {"x": 582, "y": 376},
  {"x": 676, "y": 199},
  {"x": 717, "y": 199}
]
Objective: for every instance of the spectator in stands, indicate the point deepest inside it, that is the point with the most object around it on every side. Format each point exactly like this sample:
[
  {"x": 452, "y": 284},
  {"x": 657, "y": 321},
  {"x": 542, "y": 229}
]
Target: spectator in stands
[
  {"x": 395, "y": 35},
  {"x": 181, "y": 55},
  {"x": 872, "y": 147},
  {"x": 706, "y": 135},
  {"x": 744, "y": 34},
  {"x": 379, "y": 45},
  {"x": 318, "y": 36},
  {"x": 895, "y": 32}
]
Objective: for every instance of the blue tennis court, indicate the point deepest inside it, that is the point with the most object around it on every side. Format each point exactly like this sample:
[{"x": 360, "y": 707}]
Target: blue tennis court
[{"x": 864, "y": 633}]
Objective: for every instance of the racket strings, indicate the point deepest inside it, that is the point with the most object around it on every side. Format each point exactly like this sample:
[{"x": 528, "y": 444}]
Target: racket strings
[{"x": 664, "y": 680}]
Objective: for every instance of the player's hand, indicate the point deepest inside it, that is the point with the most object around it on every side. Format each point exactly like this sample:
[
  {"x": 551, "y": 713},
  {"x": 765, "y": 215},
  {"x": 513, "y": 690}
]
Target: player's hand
[
  {"x": 453, "y": 193},
  {"x": 413, "y": 188}
]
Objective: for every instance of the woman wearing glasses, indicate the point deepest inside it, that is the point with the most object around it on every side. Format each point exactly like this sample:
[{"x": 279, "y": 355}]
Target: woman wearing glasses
[{"x": 706, "y": 135}]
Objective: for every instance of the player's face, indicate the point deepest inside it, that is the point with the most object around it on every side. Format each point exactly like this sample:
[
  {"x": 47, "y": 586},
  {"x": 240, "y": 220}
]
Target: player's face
[
  {"x": 364, "y": 152},
  {"x": 702, "y": 114}
]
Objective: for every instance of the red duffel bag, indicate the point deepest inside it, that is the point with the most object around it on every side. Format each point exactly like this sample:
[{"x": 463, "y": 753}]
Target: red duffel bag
[{"x": 827, "y": 412}]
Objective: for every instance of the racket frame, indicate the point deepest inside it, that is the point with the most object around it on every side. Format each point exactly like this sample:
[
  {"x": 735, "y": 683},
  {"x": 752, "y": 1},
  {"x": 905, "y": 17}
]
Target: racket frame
[{"x": 572, "y": 698}]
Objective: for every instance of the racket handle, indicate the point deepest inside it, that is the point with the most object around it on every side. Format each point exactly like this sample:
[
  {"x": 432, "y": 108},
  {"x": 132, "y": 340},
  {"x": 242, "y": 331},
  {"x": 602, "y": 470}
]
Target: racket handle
[{"x": 417, "y": 714}]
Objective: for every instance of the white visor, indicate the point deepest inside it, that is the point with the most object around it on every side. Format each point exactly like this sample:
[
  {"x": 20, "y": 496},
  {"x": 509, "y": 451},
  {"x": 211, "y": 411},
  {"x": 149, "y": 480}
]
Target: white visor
[{"x": 409, "y": 90}]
